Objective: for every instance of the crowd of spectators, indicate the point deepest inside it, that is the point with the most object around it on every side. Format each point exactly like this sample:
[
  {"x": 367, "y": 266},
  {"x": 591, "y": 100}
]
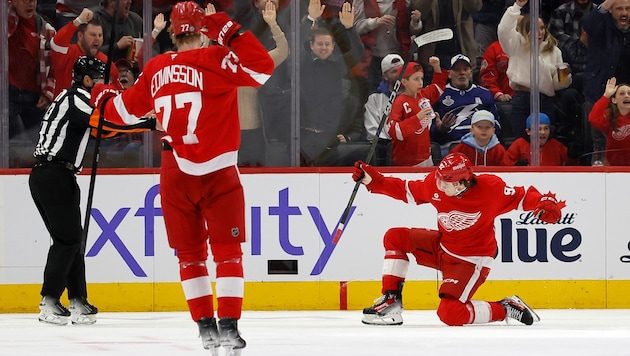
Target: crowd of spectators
[{"x": 336, "y": 70}]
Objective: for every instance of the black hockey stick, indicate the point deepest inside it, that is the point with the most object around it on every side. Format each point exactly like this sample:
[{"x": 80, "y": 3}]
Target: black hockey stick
[
  {"x": 424, "y": 39},
  {"x": 99, "y": 130}
]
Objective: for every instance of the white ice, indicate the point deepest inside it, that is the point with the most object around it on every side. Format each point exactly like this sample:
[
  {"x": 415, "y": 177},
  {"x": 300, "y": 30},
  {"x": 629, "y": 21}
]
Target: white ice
[{"x": 306, "y": 333}]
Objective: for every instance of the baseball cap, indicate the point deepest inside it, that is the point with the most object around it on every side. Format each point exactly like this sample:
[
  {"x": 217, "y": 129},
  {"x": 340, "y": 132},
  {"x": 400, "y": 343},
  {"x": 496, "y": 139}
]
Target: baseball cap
[
  {"x": 123, "y": 62},
  {"x": 482, "y": 115},
  {"x": 543, "y": 119},
  {"x": 390, "y": 61},
  {"x": 412, "y": 67},
  {"x": 460, "y": 57}
]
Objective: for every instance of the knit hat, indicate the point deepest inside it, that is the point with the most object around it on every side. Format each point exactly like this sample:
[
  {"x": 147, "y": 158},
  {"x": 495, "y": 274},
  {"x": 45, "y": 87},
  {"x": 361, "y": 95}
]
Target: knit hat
[
  {"x": 412, "y": 67},
  {"x": 543, "y": 119},
  {"x": 390, "y": 61},
  {"x": 483, "y": 115}
]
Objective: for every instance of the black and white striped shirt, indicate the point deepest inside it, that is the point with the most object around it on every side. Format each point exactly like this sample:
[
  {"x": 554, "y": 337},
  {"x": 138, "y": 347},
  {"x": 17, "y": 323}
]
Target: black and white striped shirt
[{"x": 67, "y": 125}]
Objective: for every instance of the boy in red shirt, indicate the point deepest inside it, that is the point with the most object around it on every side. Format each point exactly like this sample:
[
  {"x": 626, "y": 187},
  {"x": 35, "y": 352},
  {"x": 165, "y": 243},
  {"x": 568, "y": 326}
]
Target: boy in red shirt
[
  {"x": 462, "y": 248},
  {"x": 552, "y": 151},
  {"x": 481, "y": 145},
  {"x": 408, "y": 125}
]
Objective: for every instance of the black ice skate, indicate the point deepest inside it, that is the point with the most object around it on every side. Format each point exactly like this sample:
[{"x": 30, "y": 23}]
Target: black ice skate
[
  {"x": 209, "y": 334},
  {"x": 82, "y": 312},
  {"x": 387, "y": 310},
  {"x": 230, "y": 338},
  {"x": 517, "y": 309},
  {"x": 53, "y": 312}
]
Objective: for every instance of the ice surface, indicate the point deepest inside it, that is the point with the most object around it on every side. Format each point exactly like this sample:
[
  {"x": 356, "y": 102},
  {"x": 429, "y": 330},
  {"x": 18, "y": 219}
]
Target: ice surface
[{"x": 306, "y": 333}]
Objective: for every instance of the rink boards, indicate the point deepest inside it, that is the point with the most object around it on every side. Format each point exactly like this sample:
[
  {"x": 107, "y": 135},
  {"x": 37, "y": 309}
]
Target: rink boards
[{"x": 290, "y": 260}]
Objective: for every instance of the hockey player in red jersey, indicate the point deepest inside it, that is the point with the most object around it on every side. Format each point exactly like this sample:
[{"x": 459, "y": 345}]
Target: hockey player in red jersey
[
  {"x": 462, "y": 248},
  {"x": 194, "y": 95}
]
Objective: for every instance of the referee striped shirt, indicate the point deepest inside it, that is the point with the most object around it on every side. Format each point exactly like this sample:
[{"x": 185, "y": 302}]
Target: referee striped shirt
[{"x": 67, "y": 124}]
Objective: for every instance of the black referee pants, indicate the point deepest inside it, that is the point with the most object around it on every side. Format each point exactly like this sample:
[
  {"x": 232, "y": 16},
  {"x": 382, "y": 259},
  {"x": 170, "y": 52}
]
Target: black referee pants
[{"x": 56, "y": 194}]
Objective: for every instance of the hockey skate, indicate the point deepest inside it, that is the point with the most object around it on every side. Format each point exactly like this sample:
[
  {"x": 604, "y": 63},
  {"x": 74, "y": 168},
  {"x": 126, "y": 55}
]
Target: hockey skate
[
  {"x": 230, "y": 338},
  {"x": 53, "y": 312},
  {"x": 209, "y": 335},
  {"x": 387, "y": 310},
  {"x": 82, "y": 312},
  {"x": 517, "y": 309}
]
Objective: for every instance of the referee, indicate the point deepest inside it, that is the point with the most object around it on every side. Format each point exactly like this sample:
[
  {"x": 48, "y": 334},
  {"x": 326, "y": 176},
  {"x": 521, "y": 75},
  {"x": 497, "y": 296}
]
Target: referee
[{"x": 63, "y": 138}]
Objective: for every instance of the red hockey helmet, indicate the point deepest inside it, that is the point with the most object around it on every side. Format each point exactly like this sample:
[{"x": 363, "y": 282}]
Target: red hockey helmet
[
  {"x": 453, "y": 168},
  {"x": 187, "y": 17}
]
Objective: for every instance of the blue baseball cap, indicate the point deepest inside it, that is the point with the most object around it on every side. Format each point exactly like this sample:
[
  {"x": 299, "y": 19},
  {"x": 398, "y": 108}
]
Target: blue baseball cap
[{"x": 543, "y": 119}]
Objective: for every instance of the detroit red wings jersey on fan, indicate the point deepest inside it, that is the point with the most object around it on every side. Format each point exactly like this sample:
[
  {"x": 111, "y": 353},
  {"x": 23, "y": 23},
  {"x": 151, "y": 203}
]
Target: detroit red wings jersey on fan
[
  {"x": 191, "y": 93},
  {"x": 466, "y": 223}
]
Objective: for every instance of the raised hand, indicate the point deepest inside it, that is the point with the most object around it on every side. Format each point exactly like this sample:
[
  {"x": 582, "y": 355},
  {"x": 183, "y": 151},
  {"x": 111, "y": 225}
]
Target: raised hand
[
  {"x": 269, "y": 14},
  {"x": 611, "y": 87},
  {"x": 221, "y": 28},
  {"x": 159, "y": 23},
  {"x": 346, "y": 15},
  {"x": 315, "y": 9}
]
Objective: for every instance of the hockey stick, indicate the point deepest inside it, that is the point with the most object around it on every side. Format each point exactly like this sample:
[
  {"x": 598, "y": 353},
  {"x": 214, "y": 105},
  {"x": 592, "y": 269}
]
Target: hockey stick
[
  {"x": 99, "y": 132},
  {"x": 422, "y": 40}
]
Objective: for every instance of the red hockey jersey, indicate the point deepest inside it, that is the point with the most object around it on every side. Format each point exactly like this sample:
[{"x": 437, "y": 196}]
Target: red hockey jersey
[
  {"x": 466, "y": 222},
  {"x": 193, "y": 94}
]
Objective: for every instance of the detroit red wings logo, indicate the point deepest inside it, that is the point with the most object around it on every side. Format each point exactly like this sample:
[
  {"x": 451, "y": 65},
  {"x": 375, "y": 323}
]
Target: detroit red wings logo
[
  {"x": 457, "y": 220},
  {"x": 621, "y": 133}
]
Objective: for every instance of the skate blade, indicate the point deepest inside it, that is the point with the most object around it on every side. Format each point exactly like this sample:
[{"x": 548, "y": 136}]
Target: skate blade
[
  {"x": 231, "y": 351},
  {"x": 389, "y": 319},
  {"x": 82, "y": 319},
  {"x": 534, "y": 315},
  {"x": 53, "y": 319}
]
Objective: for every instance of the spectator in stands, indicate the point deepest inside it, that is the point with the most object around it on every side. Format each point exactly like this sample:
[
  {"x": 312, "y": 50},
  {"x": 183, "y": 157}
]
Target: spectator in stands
[
  {"x": 493, "y": 73},
  {"x": 514, "y": 36},
  {"x": 31, "y": 84},
  {"x": 126, "y": 74},
  {"x": 275, "y": 95},
  {"x": 328, "y": 114},
  {"x": 409, "y": 123},
  {"x": 68, "y": 10},
  {"x": 89, "y": 42},
  {"x": 374, "y": 110},
  {"x": 481, "y": 145},
  {"x": 564, "y": 23},
  {"x": 552, "y": 151},
  {"x": 486, "y": 21},
  {"x": 128, "y": 25},
  {"x": 611, "y": 115},
  {"x": 253, "y": 146},
  {"x": 608, "y": 31},
  {"x": 456, "y": 15},
  {"x": 458, "y": 102},
  {"x": 385, "y": 27}
]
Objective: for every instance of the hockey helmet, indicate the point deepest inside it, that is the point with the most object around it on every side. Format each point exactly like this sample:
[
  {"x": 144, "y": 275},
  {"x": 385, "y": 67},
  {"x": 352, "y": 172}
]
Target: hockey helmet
[
  {"x": 187, "y": 17},
  {"x": 87, "y": 65},
  {"x": 453, "y": 168}
]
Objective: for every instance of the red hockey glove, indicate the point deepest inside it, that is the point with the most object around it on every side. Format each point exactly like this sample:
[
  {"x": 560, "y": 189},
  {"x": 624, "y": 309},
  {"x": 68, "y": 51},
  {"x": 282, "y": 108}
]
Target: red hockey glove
[
  {"x": 549, "y": 209},
  {"x": 365, "y": 173},
  {"x": 221, "y": 28},
  {"x": 101, "y": 93}
]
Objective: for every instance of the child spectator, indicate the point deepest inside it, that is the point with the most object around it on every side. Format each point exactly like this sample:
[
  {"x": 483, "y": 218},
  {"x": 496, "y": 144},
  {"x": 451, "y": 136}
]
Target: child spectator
[
  {"x": 411, "y": 138},
  {"x": 481, "y": 145},
  {"x": 611, "y": 115},
  {"x": 552, "y": 151}
]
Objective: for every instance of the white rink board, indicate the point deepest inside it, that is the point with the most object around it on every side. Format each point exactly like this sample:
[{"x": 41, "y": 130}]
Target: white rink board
[{"x": 291, "y": 217}]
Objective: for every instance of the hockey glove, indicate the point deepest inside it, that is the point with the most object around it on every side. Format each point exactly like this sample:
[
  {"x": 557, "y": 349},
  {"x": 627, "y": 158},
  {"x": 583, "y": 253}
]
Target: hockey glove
[
  {"x": 221, "y": 28},
  {"x": 365, "y": 173},
  {"x": 101, "y": 94},
  {"x": 549, "y": 209}
]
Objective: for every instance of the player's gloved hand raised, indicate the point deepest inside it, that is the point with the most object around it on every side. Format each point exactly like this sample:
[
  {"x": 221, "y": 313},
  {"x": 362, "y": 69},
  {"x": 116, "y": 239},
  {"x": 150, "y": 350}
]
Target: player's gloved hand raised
[
  {"x": 365, "y": 173},
  {"x": 549, "y": 209},
  {"x": 101, "y": 93},
  {"x": 220, "y": 28}
]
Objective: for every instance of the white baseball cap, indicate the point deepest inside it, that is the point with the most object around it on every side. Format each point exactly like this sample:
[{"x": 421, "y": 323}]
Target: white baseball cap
[
  {"x": 482, "y": 115},
  {"x": 460, "y": 57},
  {"x": 390, "y": 61}
]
